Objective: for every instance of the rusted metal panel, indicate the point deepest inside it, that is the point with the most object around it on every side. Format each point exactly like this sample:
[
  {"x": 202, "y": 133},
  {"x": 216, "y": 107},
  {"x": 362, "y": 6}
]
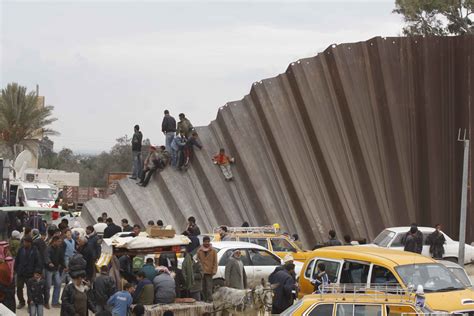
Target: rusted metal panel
[{"x": 358, "y": 138}]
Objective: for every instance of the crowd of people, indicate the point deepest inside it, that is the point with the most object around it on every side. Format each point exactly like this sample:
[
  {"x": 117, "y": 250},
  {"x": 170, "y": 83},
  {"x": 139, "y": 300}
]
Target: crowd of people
[
  {"x": 57, "y": 265},
  {"x": 178, "y": 151}
]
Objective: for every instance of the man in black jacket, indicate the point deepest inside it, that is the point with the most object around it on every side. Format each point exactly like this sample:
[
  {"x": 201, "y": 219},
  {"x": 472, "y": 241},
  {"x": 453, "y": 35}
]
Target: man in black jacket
[
  {"x": 54, "y": 265},
  {"x": 136, "y": 152},
  {"x": 27, "y": 262},
  {"x": 283, "y": 292},
  {"x": 168, "y": 127},
  {"x": 413, "y": 240},
  {"x": 104, "y": 287},
  {"x": 111, "y": 229}
]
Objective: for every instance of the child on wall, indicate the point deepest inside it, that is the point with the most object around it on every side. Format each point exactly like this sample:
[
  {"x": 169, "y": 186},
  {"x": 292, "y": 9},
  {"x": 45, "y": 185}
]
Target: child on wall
[{"x": 224, "y": 161}]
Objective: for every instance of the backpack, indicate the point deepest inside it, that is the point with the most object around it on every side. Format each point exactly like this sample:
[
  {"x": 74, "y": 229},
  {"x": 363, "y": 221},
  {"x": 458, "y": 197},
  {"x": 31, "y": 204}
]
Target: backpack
[{"x": 137, "y": 263}]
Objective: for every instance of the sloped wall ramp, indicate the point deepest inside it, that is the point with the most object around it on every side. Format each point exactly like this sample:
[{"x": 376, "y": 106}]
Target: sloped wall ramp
[{"x": 358, "y": 138}]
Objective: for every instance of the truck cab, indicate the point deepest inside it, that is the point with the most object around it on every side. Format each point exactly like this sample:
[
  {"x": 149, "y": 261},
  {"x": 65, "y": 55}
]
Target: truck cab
[{"x": 32, "y": 194}]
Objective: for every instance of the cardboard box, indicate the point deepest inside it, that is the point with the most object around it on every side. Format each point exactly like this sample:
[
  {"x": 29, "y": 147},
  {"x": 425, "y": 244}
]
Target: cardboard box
[{"x": 157, "y": 232}]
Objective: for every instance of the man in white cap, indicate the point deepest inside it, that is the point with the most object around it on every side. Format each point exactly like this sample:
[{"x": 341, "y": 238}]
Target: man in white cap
[
  {"x": 288, "y": 259},
  {"x": 235, "y": 276}
]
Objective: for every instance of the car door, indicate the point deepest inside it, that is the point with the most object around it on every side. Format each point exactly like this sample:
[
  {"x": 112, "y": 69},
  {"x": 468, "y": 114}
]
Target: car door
[
  {"x": 397, "y": 242},
  {"x": 264, "y": 263},
  {"x": 333, "y": 269},
  {"x": 249, "y": 268}
]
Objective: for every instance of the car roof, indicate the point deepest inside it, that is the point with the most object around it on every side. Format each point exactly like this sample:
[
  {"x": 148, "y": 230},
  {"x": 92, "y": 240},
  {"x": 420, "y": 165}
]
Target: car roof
[
  {"x": 350, "y": 297},
  {"x": 236, "y": 244},
  {"x": 371, "y": 254},
  {"x": 404, "y": 229}
]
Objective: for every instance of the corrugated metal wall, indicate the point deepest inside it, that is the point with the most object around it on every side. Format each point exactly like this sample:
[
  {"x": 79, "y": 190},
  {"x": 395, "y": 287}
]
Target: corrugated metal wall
[{"x": 358, "y": 138}]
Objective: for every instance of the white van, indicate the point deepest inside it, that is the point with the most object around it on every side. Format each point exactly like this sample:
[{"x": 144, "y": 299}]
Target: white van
[{"x": 31, "y": 194}]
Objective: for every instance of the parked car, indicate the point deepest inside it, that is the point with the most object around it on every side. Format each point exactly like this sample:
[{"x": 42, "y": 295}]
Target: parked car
[
  {"x": 392, "y": 238},
  {"x": 370, "y": 304},
  {"x": 374, "y": 266},
  {"x": 458, "y": 271},
  {"x": 266, "y": 236},
  {"x": 258, "y": 261}
]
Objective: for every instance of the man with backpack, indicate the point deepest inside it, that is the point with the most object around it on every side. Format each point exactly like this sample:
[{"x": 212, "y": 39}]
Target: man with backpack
[{"x": 104, "y": 288}]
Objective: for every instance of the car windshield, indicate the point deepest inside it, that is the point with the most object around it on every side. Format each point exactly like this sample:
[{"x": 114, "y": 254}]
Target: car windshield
[
  {"x": 461, "y": 275},
  {"x": 384, "y": 238},
  {"x": 434, "y": 277},
  {"x": 36, "y": 194}
]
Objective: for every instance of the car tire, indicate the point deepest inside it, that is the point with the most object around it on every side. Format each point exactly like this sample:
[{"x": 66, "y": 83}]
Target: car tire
[
  {"x": 451, "y": 259},
  {"x": 217, "y": 283}
]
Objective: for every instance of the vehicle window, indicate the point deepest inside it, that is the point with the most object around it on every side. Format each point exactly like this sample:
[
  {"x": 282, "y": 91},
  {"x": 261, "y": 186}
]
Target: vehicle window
[
  {"x": 34, "y": 194},
  {"x": 281, "y": 244},
  {"x": 433, "y": 277},
  {"x": 322, "y": 310},
  {"x": 244, "y": 239},
  {"x": 461, "y": 275},
  {"x": 263, "y": 258},
  {"x": 384, "y": 238},
  {"x": 309, "y": 269},
  {"x": 345, "y": 310},
  {"x": 381, "y": 275},
  {"x": 367, "y": 310},
  {"x": 399, "y": 310},
  {"x": 259, "y": 241},
  {"x": 332, "y": 269},
  {"x": 354, "y": 272},
  {"x": 244, "y": 257},
  {"x": 397, "y": 241}
]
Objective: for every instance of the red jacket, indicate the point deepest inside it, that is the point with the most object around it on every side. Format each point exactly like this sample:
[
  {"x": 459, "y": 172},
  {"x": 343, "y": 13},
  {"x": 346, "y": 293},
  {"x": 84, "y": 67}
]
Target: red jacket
[{"x": 221, "y": 159}]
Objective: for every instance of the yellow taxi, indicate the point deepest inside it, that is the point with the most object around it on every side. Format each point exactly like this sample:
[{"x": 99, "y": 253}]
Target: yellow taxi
[
  {"x": 373, "y": 304},
  {"x": 265, "y": 236},
  {"x": 384, "y": 267}
]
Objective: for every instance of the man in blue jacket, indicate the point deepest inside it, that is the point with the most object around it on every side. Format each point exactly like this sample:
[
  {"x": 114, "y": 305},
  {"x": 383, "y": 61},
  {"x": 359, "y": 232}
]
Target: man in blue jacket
[{"x": 122, "y": 300}]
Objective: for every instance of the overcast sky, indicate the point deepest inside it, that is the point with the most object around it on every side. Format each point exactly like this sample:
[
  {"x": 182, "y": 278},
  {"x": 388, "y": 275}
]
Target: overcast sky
[{"x": 107, "y": 65}]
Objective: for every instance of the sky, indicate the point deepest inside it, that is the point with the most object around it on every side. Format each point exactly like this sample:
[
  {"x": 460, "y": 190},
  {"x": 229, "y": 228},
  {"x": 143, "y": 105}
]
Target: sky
[{"x": 108, "y": 65}]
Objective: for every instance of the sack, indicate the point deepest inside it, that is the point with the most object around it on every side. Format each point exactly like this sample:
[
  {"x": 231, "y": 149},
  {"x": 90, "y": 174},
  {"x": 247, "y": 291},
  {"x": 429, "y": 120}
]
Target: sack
[{"x": 137, "y": 263}]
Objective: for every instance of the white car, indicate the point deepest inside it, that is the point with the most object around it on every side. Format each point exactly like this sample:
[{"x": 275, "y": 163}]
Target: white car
[
  {"x": 258, "y": 261},
  {"x": 392, "y": 238}
]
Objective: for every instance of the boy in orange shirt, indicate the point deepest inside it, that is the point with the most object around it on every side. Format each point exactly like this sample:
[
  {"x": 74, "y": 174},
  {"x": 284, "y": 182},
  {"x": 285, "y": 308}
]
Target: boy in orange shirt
[{"x": 224, "y": 161}]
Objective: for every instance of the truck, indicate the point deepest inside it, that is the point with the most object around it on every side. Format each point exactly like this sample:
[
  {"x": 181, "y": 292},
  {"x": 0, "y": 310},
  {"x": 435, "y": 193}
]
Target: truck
[{"x": 76, "y": 196}]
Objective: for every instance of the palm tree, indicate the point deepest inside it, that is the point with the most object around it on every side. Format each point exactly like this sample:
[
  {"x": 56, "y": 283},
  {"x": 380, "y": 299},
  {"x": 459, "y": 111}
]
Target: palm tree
[{"x": 22, "y": 119}]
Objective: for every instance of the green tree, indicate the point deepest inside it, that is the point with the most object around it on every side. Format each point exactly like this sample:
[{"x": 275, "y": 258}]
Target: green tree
[
  {"x": 21, "y": 117},
  {"x": 436, "y": 17}
]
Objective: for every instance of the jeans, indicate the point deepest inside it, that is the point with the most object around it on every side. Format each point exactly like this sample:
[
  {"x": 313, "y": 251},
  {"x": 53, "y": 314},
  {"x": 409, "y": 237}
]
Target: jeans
[
  {"x": 53, "y": 278},
  {"x": 207, "y": 285},
  {"x": 169, "y": 138},
  {"x": 136, "y": 164},
  {"x": 226, "y": 171},
  {"x": 36, "y": 309},
  {"x": 174, "y": 157}
]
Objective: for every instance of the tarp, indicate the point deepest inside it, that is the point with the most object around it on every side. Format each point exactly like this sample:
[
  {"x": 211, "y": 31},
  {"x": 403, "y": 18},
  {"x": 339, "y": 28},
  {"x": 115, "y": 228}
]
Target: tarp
[{"x": 143, "y": 241}]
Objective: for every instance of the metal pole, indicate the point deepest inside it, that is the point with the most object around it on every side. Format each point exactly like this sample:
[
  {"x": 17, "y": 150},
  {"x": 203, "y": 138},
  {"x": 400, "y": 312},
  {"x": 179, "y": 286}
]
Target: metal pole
[{"x": 462, "y": 220}]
